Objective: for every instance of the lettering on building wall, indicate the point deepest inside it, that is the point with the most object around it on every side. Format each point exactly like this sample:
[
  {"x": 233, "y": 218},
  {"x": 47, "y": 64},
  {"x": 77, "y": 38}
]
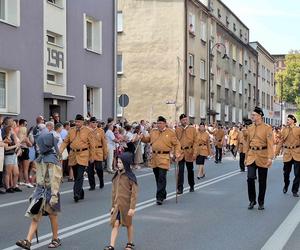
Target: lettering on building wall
[{"x": 55, "y": 58}]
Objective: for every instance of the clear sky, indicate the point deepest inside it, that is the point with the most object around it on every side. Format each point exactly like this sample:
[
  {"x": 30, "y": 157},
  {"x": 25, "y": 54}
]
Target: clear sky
[{"x": 273, "y": 23}]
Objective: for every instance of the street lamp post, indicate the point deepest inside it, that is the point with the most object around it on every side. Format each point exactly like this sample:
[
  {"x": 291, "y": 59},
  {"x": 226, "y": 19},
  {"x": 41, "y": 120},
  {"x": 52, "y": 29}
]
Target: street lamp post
[{"x": 211, "y": 48}]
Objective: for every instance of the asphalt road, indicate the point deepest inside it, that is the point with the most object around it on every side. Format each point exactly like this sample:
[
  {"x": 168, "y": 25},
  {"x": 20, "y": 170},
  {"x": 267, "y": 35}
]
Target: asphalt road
[{"x": 215, "y": 216}]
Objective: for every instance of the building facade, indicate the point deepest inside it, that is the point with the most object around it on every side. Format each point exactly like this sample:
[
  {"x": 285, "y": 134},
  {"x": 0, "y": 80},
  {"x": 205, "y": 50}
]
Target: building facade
[{"x": 58, "y": 56}]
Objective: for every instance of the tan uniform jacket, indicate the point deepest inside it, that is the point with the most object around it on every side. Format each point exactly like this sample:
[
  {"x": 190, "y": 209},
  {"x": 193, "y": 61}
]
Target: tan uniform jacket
[
  {"x": 98, "y": 145},
  {"x": 219, "y": 135},
  {"x": 290, "y": 143},
  {"x": 187, "y": 138},
  {"x": 162, "y": 143},
  {"x": 203, "y": 144},
  {"x": 80, "y": 144},
  {"x": 259, "y": 136},
  {"x": 233, "y": 137},
  {"x": 124, "y": 197},
  {"x": 242, "y": 141}
]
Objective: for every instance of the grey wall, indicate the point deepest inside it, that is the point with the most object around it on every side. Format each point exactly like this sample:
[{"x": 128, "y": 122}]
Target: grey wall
[
  {"x": 85, "y": 67},
  {"x": 21, "y": 48}
]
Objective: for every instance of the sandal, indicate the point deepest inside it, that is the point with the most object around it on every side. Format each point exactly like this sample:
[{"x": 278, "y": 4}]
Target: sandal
[
  {"x": 25, "y": 244},
  {"x": 109, "y": 248},
  {"x": 129, "y": 246},
  {"x": 54, "y": 243}
]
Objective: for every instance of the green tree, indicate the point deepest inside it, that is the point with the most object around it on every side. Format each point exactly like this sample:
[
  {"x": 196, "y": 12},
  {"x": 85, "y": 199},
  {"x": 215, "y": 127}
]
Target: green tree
[{"x": 290, "y": 80}]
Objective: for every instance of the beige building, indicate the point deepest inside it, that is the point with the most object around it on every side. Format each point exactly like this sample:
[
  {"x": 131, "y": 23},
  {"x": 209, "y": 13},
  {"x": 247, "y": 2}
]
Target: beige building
[
  {"x": 266, "y": 88},
  {"x": 165, "y": 52}
]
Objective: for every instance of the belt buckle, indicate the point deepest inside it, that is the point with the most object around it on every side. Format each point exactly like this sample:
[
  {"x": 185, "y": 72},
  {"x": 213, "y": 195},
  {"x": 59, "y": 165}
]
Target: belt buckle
[{"x": 255, "y": 148}]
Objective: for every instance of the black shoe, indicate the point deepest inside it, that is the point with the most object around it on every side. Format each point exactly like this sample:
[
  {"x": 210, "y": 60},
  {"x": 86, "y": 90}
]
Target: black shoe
[
  {"x": 179, "y": 191},
  {"x": 101, "y": 186},
  {"x": 10, "y": 190},
  {"x": 91, "y": 188},
  {"x": 252, "y": 204},
  {"x": 285, "y": 189},
  {"x": 76, "y": 198},
  {"x": 159, "y": 202},
  {"x": 192, "y": 189},
  {"x": 2, "y": 192},
  {"x": 242, "y": 170},
  {"x": 202, "y": 176},
  {"x": 295, "y": 194},
  {"x": 198, "y": 177},
  {"x": 82, "y": 195},
  {"x": 261, "y": 207},
  {"x": 216, "y": 162},
  {"x": 17, "y": 189}
]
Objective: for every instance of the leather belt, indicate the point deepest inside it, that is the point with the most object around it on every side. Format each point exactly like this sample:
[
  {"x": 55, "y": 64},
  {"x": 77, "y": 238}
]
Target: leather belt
[
  {"x": 79, "y": 150},
  {"x": 187, "y": 147},
  {"x": 98, "y": 147},
  {"x": 202, "y": 145},
  {"x": 161, "y": 152},
  {"x": 291, "y": 147},
  {"x": 258, "y": 148}
]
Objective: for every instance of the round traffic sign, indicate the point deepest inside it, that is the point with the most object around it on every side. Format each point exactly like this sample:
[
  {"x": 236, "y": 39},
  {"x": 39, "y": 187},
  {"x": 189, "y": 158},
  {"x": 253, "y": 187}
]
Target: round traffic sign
[{"x": 123, "y": 100}]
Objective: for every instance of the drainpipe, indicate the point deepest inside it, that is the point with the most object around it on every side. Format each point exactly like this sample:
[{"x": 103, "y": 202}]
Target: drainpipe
[
  {"x": 185, "y": 58},
  {"x": 115, "y": 7}
]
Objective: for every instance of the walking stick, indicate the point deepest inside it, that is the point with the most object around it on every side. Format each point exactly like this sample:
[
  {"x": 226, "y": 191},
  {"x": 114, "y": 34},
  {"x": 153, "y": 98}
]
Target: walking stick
[{"x": 176, "y": 178}]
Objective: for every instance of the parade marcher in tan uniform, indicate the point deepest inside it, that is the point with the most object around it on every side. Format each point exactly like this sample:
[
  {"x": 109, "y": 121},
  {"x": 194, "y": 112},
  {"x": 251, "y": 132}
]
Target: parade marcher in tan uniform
[
  {"x": 290, "y": 142},
  {"x": 98, "y": 154},
  {"x": 242, "y": 143},
  {"x": 233, "y": 140},
  {"x": 259, "y": 155},
  {"x": 203, "y": 149},
  {"x": 80, "y": 140},
  {"x": 163, "y": 140},
  {"x": 219, "y": 136},
  {"x": 186, "y": 134}
]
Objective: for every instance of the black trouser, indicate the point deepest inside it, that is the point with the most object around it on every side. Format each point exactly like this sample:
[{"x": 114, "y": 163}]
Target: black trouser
[
  {"x": 190, "y": 170},
  {"x": 1, "y": 178},
  {"x": 242, "y": 161},
  {"x": 262, "y": 180},
  {"x": 91, "y": 173},
  {"x": 161, "y": 183},
  {"x": 233, "y": 151},
  {"x": 286, "y": 174},
  {"x": 218, "y": 154},
  {"x": 78, "y": 171}
]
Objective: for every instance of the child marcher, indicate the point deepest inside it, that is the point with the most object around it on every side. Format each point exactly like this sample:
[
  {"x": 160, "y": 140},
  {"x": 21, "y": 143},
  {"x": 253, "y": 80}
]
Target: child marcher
[{"x": 124, "y": 196}]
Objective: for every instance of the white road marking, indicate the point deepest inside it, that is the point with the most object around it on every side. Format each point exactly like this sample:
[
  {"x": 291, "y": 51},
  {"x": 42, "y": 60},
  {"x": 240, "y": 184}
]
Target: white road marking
[
  {"x": 88, "y": 224},
  {"x": 283, "y": 233}
]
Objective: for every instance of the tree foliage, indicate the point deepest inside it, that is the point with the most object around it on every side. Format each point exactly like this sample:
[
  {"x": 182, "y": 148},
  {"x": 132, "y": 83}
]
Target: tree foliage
[{"x": 290, "y": 78}]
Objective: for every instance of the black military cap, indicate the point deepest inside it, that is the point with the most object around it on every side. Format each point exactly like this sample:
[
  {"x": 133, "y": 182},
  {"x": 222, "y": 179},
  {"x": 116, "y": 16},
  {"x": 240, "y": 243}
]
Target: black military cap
[
  {"x": 247, "y": 122},
  {"x": 202, "y": 123},
  {"x": 182, "y": 116},
  {"x": 93, "y": 119},
  {"x": 79, "y": 117},
  {"x": 292, "y": 117},
  {"x": 161, "y": 119},
  {"x": 259, "y": 111}
]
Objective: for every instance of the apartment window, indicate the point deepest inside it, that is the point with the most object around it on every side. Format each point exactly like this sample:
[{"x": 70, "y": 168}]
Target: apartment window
[
  {"x": 219, "y": 13},
  {"x": 2, "y": 9},
  {"x": 203, "y": 31},
  {"x": 191, "y": 106},
  {"x": 57, "y": 3},
  {"x": 10, "y": 12},
  {"x": 234, "y": 28},
  {"x": 120, "y": 21},
  {"x": 218, "y": 76},
  {"x": 2, "y": 90},
  {"x": 233, "y": 52},
  {"x": 218, "y": 93},
  {"x": 226, "y": 81},
  {"x": 240, "y": 86},
  {"x": 191, "y": 64},
  {"x": 241, "y": 33},
  {"x": 10, "y": 91},
  {"x": 240, "y": 101},
  {"x": 233, "y": 98},
  {"x": 227, "y": 96},
  {"x": 202, "y": 109},
  {"x": 191, "y": 23},
  {"x": 227, "y": 21},
  {"x": 92, "y": 34},
  {"x": 203, "y": 89},
  {"x": 55, "y": 78},
  {"x": 54, "y": 38},
  {"x": 233, "y": 83},
  {"x": 226, "y": 113},
  {"x": 227, "y": 47},
  {"x": 234, "y": 114},
  {"x": 202, "y": 69},
  {"x": 240, "y": 56},
  {"x": 119, "y": 109},
  {"x": 120, "y": 64}
]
